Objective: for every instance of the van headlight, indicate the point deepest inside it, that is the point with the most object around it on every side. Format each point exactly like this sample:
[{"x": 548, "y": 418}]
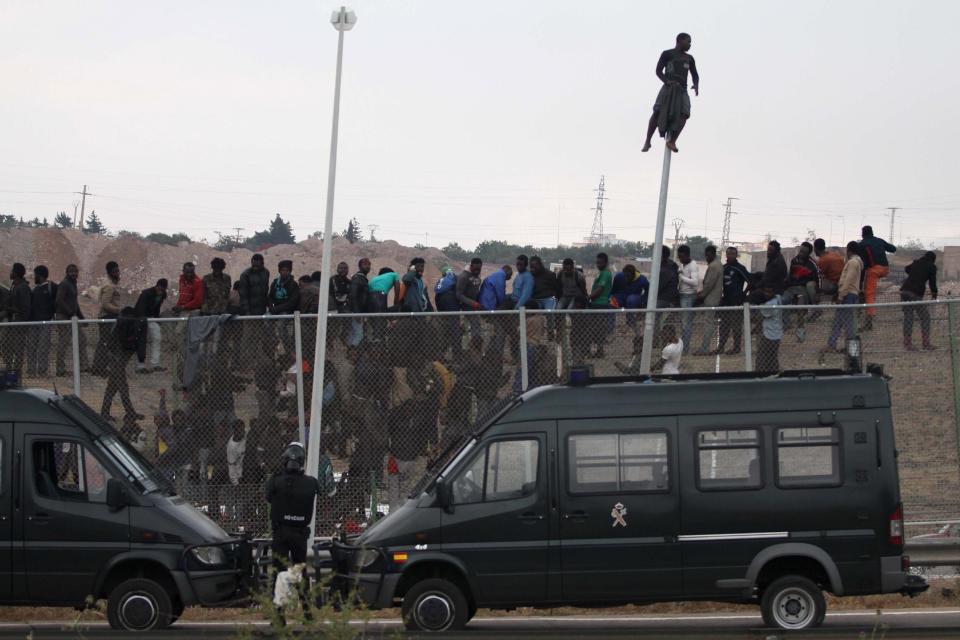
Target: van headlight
[
  {"x": 365, "y": 558},
  {"x": 209, "y": 556}
]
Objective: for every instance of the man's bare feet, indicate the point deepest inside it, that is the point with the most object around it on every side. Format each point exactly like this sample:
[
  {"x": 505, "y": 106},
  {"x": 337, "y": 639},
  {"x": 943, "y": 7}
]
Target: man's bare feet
[
  {"x": 646, "y": 146},
  {"x": 672, "y": 146}
]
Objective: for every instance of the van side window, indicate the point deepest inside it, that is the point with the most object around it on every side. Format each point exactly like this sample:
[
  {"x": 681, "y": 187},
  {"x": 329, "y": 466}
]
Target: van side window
[
  {"x": 64, "y": 470},
  {"x": 618, "y": 462},
  {"x": 808, "y": 457},
  {"x": 505, "y": 470},
  {"x": 729, "y": 459}
]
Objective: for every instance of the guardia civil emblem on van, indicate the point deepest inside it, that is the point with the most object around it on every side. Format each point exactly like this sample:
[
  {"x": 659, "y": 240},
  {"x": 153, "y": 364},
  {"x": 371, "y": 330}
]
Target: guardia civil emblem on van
[{"x": 618, "y": 513}]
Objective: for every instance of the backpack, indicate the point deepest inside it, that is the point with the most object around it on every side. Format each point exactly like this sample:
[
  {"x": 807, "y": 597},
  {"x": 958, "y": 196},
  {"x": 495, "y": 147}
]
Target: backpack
[{"x": 128, "y": 329}]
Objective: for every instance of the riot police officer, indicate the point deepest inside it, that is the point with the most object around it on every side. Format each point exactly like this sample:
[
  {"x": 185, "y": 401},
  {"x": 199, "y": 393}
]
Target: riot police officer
[{"x": 292, "y": 496}]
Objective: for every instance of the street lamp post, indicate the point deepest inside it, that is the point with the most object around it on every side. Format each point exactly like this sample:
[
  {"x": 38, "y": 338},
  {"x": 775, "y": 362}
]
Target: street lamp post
[{"x": 342, "y": 20}]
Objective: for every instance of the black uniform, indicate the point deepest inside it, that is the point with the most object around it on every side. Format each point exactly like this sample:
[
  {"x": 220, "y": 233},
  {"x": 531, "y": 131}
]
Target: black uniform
[{"x": 292, "y": 498}]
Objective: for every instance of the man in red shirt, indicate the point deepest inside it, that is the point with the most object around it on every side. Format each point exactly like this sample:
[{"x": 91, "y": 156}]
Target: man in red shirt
[{"x": 191, "y": 291}]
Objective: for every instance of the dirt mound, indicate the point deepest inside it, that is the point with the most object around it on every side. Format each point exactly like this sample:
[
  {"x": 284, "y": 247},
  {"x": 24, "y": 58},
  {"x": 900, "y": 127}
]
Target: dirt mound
[{"x": 142, "y": 263}]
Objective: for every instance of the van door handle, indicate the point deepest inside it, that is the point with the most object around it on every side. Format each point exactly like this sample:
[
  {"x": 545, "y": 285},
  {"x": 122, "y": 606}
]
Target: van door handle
[
  {"x": 530, "y": 517},
  {"x": 576, "y": 515},
  {"x": 39, "y": 518}
]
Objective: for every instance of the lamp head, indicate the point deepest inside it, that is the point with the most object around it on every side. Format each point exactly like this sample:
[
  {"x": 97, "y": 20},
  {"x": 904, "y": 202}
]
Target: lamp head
[{"x": 343, "y": 20}]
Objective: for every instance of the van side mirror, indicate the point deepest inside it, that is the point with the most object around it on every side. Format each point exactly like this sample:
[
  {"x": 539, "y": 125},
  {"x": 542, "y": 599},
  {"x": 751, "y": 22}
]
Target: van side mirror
[
  {"x": 445, "y": 495},
  {"x": 116, "y": 495}
]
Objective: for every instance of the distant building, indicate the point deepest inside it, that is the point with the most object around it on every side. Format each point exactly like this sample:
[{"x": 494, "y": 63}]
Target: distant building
[{"x": 606, "y": 240}]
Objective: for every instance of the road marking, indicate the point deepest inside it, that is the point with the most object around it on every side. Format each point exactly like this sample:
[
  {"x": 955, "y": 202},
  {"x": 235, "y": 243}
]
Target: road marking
[{"x": 67, "y": 624}]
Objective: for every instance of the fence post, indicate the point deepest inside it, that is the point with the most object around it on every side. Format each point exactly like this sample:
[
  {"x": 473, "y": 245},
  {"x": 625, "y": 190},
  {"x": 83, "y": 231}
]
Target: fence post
[
  {"x": 75, "y": 343},
  {"x": 955, "y": 365},
  {"x": 747, "y": 338},
  {"x": 524, "y": 372},
  {"x": 298, "y": 342}
]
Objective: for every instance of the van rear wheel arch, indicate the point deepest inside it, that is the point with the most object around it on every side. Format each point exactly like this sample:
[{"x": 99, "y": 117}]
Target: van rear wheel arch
[{"x": 795, "y": 559}]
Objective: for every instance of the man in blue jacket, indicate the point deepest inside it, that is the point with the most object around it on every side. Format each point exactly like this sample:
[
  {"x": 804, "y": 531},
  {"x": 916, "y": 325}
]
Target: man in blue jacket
[
  {"x": 493, "y": 289},
  {"x": 522, "y": 284}
]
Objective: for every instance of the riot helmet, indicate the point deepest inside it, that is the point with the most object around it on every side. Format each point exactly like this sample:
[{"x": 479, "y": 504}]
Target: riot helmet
[{"x": 294, "y": 458}]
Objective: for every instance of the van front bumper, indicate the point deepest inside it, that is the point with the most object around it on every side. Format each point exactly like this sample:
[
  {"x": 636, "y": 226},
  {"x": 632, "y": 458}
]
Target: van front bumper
[
  {"x": 373, "y": 586},
  {"x": 208, "y": 588}
]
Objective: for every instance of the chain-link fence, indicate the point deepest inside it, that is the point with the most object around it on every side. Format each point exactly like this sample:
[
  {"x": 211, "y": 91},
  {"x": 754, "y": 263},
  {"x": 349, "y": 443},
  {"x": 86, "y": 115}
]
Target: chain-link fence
[{"x": 213, "y": 401}]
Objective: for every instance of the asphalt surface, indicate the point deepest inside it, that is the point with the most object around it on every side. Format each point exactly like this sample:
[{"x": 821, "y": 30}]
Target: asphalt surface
[{"x": 902, "y": 624}]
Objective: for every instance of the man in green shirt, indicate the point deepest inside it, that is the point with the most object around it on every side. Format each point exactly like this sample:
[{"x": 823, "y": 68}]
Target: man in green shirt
[
  {"x": 600, "y": 299},
  {"x": 380, "y": 287}
]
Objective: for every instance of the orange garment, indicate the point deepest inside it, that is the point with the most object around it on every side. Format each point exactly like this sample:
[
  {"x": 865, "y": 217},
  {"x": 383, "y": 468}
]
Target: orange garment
[
  {"x": 831, "y": 266},
  {"x": 870, "y": 281}
]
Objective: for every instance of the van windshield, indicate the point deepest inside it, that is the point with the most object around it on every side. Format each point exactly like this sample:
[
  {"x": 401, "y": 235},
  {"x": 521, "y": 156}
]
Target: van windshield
[
  {"x": 460, "y": 446},
  {"x": 135, "y": 466}
]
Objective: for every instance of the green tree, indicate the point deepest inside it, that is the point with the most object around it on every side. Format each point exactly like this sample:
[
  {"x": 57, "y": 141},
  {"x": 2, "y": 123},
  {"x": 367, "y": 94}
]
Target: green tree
[
  {"x": 352, "y": 233},
  {"x": 163, "y": 238},
  {"x": 63, "y": 221},
  {"x": 456, "y": 252},
  {"x": 123, "y": 233},
  {"x": 93, "y": 225},
  {"x": 697, "y": 244},
  {"x": 279, "y": 232}
]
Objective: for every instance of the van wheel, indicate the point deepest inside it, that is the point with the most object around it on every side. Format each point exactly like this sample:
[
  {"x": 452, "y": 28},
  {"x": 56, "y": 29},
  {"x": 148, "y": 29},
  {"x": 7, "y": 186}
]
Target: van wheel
[
  {"x": 792, "y": 603},
  {"x": 435, "y": 605},
  {"x": 139, "y": 604}
]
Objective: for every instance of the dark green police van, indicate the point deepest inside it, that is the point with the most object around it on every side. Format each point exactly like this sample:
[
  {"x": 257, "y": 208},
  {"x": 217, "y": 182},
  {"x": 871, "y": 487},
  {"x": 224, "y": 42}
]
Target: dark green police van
[
  {"x": 82, "y": 516},
  {"x": 768, "y": 490}
]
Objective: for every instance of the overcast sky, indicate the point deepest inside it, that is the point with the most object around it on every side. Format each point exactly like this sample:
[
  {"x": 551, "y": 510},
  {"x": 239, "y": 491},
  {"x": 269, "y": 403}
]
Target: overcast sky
[{"x": 482, "y": 120}]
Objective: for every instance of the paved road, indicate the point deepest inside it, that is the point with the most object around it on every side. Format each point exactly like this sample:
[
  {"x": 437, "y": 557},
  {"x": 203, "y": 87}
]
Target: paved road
[{"x": 903, "y": 625}]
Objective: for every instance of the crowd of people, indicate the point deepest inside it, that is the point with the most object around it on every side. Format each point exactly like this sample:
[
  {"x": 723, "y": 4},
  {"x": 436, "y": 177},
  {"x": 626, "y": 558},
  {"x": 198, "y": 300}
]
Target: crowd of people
[{"x": 403, "y": 385}]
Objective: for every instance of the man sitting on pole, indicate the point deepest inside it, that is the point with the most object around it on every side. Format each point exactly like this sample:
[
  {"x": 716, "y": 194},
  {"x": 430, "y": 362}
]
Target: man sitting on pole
[{"x": 672, "y": 108}]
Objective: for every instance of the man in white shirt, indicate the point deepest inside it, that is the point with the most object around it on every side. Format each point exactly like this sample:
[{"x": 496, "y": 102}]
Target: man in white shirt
[
  {"x": 689, "y": 283},
  {"x": 671, "y": 354}
]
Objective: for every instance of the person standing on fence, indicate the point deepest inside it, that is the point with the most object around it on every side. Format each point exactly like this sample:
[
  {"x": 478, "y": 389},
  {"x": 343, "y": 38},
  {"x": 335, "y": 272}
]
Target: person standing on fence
[
  {"x": 573, "y": 286},
  {"x": 254, "y": 288},
  {"x": 545, "y": 285},
  {"x": 359, "y": 298},
  {"x": 711, "y": 292},
  {"x": 309, "y": 295},
  {"x": 216, "y": 289},
  {"x": 284, "y": 299},
  {"x": 109, "y": 310},
  {"x": 920, "y": 273},
  {"x": 67, "y": 307},
  {"x": 767, "y": 359},
  {"x": 689, "y": 284},
  {"x": 18, "y": 310},
  {"x": 147, "y": 310},
  {"x": 735, "y": 280},
  {"x": 493, "y": 290},
  {"x": 874, "y": 251},
  {"x": 415, "y": 299},
  {"x": 42, "y": 309},
  {"x": 445, "y": 299},
  {"x": 522, "y": 284},
  {"x": 830, "y": 264},
  {"x": 600, "y": 299},
  {"x": 340, "y": 289},
  {"x": 775, "y": 273},
  {"x": 803, "y": 283},
  {"x": 849, "y": 293},
  {"x": 123, "y": 338},
  {"x": 468, "y": 286},
  {"x": 190, "y": 298}
]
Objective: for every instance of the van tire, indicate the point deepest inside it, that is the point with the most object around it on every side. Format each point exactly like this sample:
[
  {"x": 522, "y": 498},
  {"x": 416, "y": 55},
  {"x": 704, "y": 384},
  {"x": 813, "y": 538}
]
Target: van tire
[
  {"x": 433, "y": 605},
  {"x": 792, "y": 603},
  {"x": 139, "y": 604}
]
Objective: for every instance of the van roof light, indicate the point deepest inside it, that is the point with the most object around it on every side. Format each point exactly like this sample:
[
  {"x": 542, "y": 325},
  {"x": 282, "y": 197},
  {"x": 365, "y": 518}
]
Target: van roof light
[
  {"x": 9, "y": 380},
  {"x": 580, "y": 375}
]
